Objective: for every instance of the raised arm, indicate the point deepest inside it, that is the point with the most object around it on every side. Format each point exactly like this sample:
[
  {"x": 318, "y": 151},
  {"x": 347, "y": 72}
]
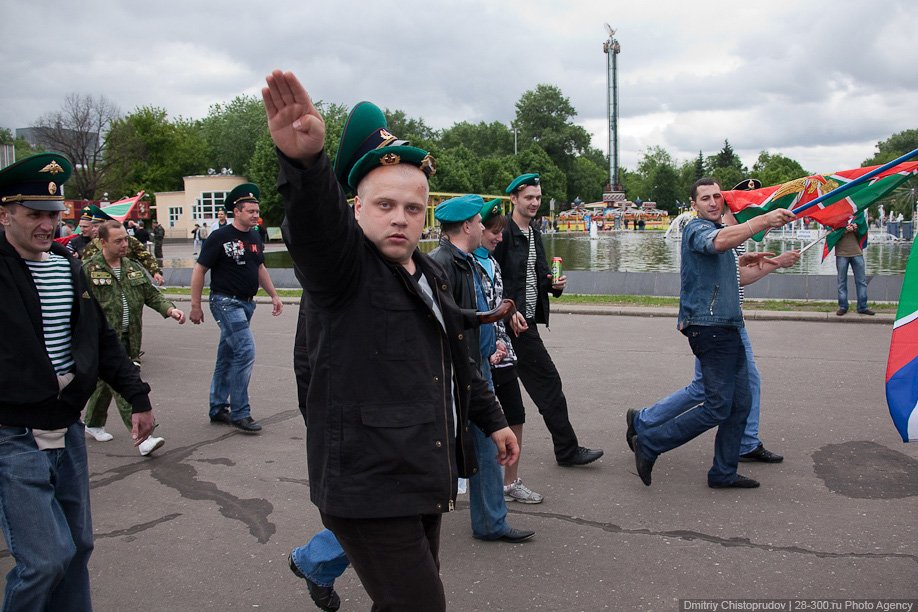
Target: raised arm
[{"x": 296, "y": 127}]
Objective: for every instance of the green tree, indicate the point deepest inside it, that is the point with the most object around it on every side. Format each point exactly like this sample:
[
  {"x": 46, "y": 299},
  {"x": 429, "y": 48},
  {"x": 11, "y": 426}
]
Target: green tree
[
  {"x": 457, "y": 171},
  {"x": 774, "y": 169},
  {"x": 727, "y": 167},
  {"x": 483, "y": 139},
  {"x": 263, "y": 170},
  {"x": 497, "y": 172},
  {"x": 699, "y": 167},
  {"x": 585, "y": 179},
  {"x": 145, "y": 150},
  {"x": 544, "y": 117},
  {"x": 413, "y": 130},
  {"x": 232, "y": 130},
  {"x": 893, "y": 147}
]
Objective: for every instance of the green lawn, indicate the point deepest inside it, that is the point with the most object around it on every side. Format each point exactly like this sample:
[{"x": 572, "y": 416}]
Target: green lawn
[{"x": 637, "y": 300}]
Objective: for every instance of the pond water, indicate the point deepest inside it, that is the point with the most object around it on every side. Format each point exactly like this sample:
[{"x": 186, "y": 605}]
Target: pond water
[{"x": 629, "y": 251}]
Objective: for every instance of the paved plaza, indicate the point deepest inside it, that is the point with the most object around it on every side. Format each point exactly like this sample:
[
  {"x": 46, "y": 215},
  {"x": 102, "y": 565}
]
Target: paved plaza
[{"x": 207, "y": 523}]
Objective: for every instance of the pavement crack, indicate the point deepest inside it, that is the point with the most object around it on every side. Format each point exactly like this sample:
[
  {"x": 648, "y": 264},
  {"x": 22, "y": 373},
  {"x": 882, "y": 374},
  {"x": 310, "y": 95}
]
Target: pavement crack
[
  {"x": 172, "y": 469},
  {"x": 689, "y": 535},
  {"x": 135, "y": 529}
]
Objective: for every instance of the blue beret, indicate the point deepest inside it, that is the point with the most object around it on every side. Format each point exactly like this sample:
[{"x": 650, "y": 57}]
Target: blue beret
[
  {"x": 522, "y": 180},
  {"x": 456, "y": 210}
]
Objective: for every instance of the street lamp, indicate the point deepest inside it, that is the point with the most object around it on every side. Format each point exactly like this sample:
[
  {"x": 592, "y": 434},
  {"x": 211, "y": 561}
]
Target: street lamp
[{"x": 611, "y": 48}]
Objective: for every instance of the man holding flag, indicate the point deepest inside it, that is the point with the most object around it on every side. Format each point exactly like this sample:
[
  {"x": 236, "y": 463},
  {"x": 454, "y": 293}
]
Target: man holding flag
[
  {"x": 849, "y": 251},
  {"x": 711, "y": 317}
]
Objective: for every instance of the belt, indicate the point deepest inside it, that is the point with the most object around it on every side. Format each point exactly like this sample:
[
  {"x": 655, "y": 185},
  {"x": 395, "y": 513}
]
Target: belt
[{"x": 235, "y": 297}]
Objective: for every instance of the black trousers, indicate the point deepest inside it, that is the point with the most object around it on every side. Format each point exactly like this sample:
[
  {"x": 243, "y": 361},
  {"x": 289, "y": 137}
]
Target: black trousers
[
  {"x": 397, "y": 559},
  {"x": 540, "y": 377}
]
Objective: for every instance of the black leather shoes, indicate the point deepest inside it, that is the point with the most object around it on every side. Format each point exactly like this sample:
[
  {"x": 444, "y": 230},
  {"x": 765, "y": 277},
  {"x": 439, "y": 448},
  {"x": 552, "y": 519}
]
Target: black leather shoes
[
  {"x": 867, "y": 312},
  {"x": 582, "y": 456},
  {"x": 841, "y": 312},
  {"x": 629, "y": 419},
  {"x": 741, "y": 482},
  {"x": 516, "y": 536},
  {"x": 222, "y": 418},
  {"x": 761, "y": 454},
  {"x": 643, "y": 466},
  {"x": 247, "y": 425},
  {"x": 325, "y": 598}
]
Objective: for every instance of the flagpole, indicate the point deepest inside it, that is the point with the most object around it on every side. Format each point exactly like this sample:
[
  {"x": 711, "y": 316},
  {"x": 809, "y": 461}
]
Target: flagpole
[
  {"x": 818, "y": 239},
  {"x": 855, "y": 182}
]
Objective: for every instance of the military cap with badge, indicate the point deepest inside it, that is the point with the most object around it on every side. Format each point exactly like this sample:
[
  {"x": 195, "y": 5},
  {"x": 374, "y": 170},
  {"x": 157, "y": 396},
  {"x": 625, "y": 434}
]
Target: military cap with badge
[
  {"x": 36, "y": 182},
  {"x": 490, "y": 209},
  {"x": 367, "y": 144},
  {"x": 246, "y": 192},
  {"x": 523, "y": 180}
]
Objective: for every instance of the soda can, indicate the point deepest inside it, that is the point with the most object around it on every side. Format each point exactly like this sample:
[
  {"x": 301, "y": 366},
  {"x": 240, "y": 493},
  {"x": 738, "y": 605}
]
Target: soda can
[{"x": 555, "y": 269}]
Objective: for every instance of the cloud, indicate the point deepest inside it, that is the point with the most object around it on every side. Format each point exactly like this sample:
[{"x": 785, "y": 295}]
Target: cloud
[{"x": 810, "y": 77}]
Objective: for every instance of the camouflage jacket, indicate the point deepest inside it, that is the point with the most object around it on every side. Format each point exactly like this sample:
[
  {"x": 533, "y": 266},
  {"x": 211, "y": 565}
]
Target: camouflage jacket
[
  {"x": 135, "y": 286},
  {"x": 137, "y": 252}
]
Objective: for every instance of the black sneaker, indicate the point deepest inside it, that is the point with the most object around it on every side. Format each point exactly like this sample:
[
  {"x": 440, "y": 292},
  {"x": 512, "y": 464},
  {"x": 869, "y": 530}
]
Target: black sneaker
[
  {"x": 221, "y": 418},
  {"x": 582, "y": 456},
  {"x": 325, "y": 598},
  {"x": 762, "y": 454},
  {"x": 741, "y": 482},
  {"x": 248, "y": 425}
]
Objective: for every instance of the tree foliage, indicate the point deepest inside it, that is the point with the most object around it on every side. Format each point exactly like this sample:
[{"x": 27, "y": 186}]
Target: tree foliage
[
  {"x": 78, "y": 131},
  {"x": 21, "y": 146},
  {"x": 232, "y": 131},
  {"x": 774, "y": 169},
  {"x": 893, "y": 147},
  {"x": 727, "y": 167},
  {"x": 146, "y": 150}
]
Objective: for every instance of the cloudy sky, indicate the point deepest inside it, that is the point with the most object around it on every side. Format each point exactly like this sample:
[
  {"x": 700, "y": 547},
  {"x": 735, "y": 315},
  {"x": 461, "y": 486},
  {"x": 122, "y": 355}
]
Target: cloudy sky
[{"x": 819, "y": 81}]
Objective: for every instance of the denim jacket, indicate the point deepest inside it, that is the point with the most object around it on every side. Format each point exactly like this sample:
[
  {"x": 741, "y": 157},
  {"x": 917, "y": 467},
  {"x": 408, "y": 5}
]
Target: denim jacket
[{"x": 710, "y": 291}]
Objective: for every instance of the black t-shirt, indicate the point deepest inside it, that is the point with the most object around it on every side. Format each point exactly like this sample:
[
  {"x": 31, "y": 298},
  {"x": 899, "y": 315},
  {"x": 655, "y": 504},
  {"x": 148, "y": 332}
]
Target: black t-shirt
[{"x": 233, "y": 257}]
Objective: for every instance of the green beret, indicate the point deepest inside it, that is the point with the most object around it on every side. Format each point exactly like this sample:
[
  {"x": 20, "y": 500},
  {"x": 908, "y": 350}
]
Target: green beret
[
  {"x": 35, "y": 182},
  {"x": 522, "y": 180},
  {"x": 491, "y": 209},
  {"x": 457, "y": 210},
  {"x": 97, "y": 215},
  {"x": 748, "y": 185},
  {"x": 246, "y": 192},
  {"x": 366, "y": 144}
]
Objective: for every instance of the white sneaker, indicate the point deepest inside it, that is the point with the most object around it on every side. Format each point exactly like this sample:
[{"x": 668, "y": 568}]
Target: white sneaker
[
  {"x": 99, "y": 434},
  {"x": 150, "y": 444},
  {"x": 518, "y": 492}
]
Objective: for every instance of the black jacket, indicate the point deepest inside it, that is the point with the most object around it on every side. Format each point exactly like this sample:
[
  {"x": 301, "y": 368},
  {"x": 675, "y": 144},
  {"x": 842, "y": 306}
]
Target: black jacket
[
  {"x": 29, "y": 396},
  {"x": 511, "y": 254},
  {"x": 458, "y": 271},
  {"x": 382, "y": 439}
]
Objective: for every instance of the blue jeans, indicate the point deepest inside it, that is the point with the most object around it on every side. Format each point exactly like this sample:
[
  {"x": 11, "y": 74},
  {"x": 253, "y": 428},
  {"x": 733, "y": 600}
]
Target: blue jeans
[
  {"x": 860, "y": 281},
  {"x": 45, "y": 517},
  {"x": 487, "y": 507},
  {"x": 726, "y": 404},
  {"x": 692, "y": 396},
  {"x": 235, "y": 356},
  {"x": 322, "y": 559}
]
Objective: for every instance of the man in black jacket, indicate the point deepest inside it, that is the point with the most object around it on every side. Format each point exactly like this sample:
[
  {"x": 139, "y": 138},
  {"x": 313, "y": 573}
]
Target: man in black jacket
[
  {"x": 55, "y": 346},
  {"x": 461, "y": 230},
  {"x": 527, "y": 281},
  {"x": 392, "y": 383}
]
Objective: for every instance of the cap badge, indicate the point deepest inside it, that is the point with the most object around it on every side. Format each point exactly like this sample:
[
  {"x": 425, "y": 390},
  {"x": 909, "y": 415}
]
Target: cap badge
[
  {"x": 390, "y": 159},
  {"x": 428, "y": 166},
  {"x": 52, "y": 187},
  {"x": 53, "y": 168}
]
